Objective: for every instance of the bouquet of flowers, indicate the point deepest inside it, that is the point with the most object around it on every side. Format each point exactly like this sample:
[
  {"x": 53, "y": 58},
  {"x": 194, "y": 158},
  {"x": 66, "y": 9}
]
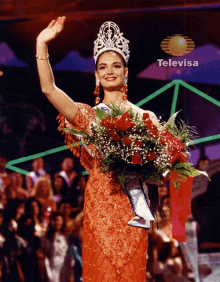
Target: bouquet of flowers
[{"x": 131, "y": 143}]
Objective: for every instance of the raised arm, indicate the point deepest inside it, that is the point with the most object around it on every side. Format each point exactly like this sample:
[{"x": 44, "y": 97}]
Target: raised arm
[{"x": 63, "y": 103}]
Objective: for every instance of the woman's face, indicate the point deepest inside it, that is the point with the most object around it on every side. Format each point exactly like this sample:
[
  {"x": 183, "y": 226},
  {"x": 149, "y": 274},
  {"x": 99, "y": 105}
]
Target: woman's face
[
  {"x": 17, "y": 180},
  {"x": 82, "y": 183},
  {"x": 57, "y": 223},
  {"x": 162, "y": 191},
  {"x": 66, "y": 209},
  {"x": 58, "y": 184},
  {"x": 35, "y": 208},
  {"x": 110, "y": 71}
]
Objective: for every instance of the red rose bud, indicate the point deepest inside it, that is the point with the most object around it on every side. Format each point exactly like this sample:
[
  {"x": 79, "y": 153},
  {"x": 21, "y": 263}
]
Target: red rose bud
[
  {"x": 126, "y": 115},
  {"x": 163, "y": 141},
  {"x": 151, "y": 156},
  {"x": 164, "y": 132},
  {"x": 105, "y": 121},
  {"x": 111, "y": 133},
  {"x": 145, "y": 116},
  {"x": 138, "y": 143},
  {"x": 154, "y": 134},
  {"x": 148, "y": 123},
  {"x": 136, "y": 159},
  {"x": 116, "y": 137},
  {"x": 126, "y": 141}
]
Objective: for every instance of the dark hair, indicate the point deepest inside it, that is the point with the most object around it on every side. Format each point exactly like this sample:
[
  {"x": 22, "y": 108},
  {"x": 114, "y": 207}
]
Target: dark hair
[
  {"x": 64, "y": 189},
  {"x": 123, "y": 60},
  {"x": 28, "y": 208},
  {"x": 50, "y": 230}
]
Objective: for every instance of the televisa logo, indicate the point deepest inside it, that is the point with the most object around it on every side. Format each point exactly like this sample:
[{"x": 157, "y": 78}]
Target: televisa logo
[
  {"x": 177, "y": 45},
  {"x": 184, "y": 63}
]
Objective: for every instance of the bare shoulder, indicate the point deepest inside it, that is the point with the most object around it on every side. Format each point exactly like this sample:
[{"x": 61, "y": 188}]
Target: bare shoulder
[{"x": 140, "y": 111}]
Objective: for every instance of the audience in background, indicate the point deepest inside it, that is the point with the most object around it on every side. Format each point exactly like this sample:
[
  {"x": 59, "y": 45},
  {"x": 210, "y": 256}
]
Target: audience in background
[
  {"x": 5, "y": 179},
  {"x": 40, "y": 244},
  {"x": 37, "y": 173},
  {"x": 69, "y": 175},
  {"x": 44, "y": 194},
  {"x": 55, "y": 245},
  {"x": 60, "y": 188},
  {"x": 17, "y": 182}
]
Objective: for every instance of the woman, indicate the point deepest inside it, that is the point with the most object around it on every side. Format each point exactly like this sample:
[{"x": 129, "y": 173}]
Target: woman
[
  {"x": 59, "y": 188},
  {"x": 112, "y": 250},
  {"x": 17, "y": 182},
  {"x": 33, "y": 210},
  {"x": 44, "y": 193},
  {"x": 55, "y": 247}
]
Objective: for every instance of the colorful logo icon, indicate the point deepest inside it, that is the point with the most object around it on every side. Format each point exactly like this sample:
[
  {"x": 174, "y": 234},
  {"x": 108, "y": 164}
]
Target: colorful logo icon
[{"x": 177, "y": 45}]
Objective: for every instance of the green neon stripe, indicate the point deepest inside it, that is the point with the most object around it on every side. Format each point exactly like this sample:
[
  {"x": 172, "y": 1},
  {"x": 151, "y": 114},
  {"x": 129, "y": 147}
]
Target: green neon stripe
[
  {"x": 38, "y": 155},
  {"x": 84, "y": 172},
  {"x": 206, "y": 139},
  {"x": 175, "y": 96},
  {"x": 156, "y": 93},
  {"x": 200, "y": 93},
  {"x": 17, "y": 169}
]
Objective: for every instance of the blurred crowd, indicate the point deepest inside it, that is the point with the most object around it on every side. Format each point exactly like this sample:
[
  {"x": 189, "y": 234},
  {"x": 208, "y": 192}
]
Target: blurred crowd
[
  {"x": 166, "y": 261},
  {"x": 41, "y": 219},
  {"x": 41, "y": 223}
]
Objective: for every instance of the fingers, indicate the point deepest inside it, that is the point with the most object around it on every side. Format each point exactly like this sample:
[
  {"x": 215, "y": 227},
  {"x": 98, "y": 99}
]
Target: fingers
[
  {"x": 59, "y": 24},
  {"x": 51, "y": 23}
]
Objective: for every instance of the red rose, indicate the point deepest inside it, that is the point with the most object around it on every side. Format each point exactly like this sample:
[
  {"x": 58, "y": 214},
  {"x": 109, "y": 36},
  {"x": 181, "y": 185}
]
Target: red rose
[
  {"x": 136, "y": 159},
  {"x": 145, "y": 116},
  {"x": 116, "y": 137},
  {"x": 123, "y": 125},
  {"x": 163, "y": 141},
  {"x": 114, "y": 119},
  {"x": 138, "y": 143},
  {"x": 120, "y": 125},
  {"x": 153, "y": 128},
  {"x": 111, "y": 133},
  {"x": 107, "y": 123},
  {"x": 151, "y": 156},
  {"x": 126, "y": 115},
  {"x": 126, "y": 141},
  {"x": 148, "y": 123}
]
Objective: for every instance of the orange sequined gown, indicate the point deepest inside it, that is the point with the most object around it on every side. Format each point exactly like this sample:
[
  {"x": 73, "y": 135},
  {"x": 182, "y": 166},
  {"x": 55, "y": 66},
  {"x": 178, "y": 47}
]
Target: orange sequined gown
[{"x": 112, "y": 250}]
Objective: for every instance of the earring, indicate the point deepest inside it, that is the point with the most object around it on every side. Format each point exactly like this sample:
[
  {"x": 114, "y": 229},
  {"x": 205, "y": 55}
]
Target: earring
[
  {"x": 97, "y": 92},
  {"x": 124, "y": 88}
]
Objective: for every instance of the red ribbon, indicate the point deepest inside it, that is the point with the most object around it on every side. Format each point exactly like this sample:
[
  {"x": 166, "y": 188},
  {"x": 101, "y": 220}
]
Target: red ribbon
[{"x": 180, "y": 206}]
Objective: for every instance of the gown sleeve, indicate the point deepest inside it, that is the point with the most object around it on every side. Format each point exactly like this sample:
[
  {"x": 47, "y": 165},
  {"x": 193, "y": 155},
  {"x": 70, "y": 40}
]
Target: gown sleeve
[{"x": 81, "y": 121}]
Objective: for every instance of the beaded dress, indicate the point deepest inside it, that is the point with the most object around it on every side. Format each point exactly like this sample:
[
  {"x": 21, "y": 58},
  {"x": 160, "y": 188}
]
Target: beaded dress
[{"x": 112, "y": 250}]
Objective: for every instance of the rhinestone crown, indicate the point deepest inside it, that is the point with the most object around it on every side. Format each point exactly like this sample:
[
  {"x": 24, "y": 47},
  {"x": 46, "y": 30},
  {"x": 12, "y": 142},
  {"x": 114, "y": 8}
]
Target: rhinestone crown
[{"x": 110, "y": 38}]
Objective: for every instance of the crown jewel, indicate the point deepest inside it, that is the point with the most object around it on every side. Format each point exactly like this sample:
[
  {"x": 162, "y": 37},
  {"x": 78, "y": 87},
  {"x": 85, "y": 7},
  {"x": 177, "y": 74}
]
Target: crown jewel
[{"x": 110, "y": 38}]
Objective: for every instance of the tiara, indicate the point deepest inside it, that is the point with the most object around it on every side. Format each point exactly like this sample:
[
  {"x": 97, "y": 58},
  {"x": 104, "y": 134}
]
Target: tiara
[{"x": 110, "y": 38}]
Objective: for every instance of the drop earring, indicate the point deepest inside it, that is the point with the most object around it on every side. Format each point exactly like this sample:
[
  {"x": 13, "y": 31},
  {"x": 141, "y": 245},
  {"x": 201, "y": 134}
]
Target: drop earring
[
  {"x": 97, "y": 92},
  {"x": 124, "y": 88}
]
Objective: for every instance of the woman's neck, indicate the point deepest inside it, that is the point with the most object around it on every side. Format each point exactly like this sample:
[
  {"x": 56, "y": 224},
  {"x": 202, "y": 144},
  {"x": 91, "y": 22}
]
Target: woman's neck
[{"x": 113, "y": 97}]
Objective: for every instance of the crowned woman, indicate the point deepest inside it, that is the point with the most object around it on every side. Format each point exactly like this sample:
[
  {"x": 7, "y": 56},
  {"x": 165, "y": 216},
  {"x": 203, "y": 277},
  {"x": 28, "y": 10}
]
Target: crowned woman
[{"x": 113, "y": 250}]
